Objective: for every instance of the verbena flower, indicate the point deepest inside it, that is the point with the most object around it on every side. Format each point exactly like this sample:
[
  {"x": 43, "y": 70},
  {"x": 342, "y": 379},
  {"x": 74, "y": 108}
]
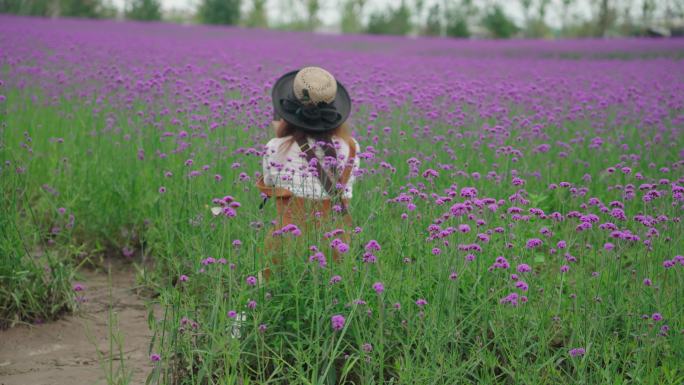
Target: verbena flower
[
  {"x": 576, "y": 352},
  {"x": 337, "y": 322},
  {"x": 534, "y": 243}
]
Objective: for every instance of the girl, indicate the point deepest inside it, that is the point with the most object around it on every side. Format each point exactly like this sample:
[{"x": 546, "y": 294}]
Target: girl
[{"x": 308, "y": 168}]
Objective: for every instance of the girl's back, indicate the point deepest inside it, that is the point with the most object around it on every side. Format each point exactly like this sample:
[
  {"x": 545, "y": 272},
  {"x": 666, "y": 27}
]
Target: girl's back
[{"x": 286, "y": 166}]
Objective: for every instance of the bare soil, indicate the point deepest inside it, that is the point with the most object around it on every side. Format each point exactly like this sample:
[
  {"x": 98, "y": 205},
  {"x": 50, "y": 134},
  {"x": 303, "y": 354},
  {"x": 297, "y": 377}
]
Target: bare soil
[{"x": 64, "y": 352}]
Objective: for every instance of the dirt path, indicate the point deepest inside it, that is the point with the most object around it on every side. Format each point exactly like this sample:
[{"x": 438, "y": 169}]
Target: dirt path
[{"x": 62, "y": 353}]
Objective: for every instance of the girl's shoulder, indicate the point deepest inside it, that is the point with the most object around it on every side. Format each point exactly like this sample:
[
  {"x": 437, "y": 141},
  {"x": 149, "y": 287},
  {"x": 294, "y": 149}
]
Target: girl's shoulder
[{"x": 275, "y": 143}]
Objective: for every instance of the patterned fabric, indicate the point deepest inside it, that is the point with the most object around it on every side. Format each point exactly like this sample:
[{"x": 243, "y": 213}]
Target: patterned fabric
[{"x": 285, "y": 166}]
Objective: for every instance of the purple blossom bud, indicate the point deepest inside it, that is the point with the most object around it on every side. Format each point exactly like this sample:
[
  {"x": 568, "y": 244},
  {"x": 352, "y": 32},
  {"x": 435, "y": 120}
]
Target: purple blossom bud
[
  {"x": 378, "y": 287},
  {"x": 337, "y": 322}
]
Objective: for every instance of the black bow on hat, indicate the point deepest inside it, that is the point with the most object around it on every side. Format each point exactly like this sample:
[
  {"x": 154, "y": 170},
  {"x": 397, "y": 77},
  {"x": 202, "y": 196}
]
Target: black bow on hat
[
  {"x": 316, "y": 118},
  {"x": 312, "y": 113}
]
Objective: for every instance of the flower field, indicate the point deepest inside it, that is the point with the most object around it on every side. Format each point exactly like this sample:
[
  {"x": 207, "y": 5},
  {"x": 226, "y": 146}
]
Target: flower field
[{"x": 517, "y": 213}]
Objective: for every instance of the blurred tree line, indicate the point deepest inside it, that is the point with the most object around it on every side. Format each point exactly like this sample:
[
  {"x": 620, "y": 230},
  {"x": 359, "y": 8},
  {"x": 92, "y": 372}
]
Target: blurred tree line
[
  {"x": 56, "y": 8},
  {"x": 455, "y": 18},
  {"x": 92, "y": 9}
]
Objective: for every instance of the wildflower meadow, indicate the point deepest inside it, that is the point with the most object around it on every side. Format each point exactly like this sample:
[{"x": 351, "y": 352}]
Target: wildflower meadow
[{"x": 516, "y": 216}]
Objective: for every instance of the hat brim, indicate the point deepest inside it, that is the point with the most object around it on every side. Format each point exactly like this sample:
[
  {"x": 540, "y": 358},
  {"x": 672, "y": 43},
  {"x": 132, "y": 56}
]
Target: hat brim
[{"x": 283, "y": 89}]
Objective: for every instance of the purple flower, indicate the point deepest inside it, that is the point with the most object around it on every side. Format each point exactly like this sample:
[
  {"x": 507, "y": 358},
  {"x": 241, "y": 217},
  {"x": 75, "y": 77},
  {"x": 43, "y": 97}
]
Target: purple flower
[
  {"x": 657, "y": 317},
  {"x": 534, "y": 243},
  {"x": 668, "y": 264},
  {"x": 232, "y": 314},
  {"x": 524, "y": 268},
  {"x": 154, "y": 357},
  {"x": 342, "y": 247},
  {"x": 378, "y": 287},
  {"x": 372, "y": 245},
  {"x": 337, "y": 322},
  {"x": 251, "y": 304},
  {"x": 522, "y": 285},
  {"x": 318, "y": 257},
  {"x": 421, "y": 302},
  {"x": 511, "y": 299},
  {"x": 430, "y": 173},
  {"x": 78, "y": 287},
  {"x": 367, "y": 347},
  {"x": 335, "y": 279},
  {"x": 369, "y": 258},
  {"x": 251, "y": 280},
  {"x": 577, "y": 352},
  {"x": 183, "y": 278}
]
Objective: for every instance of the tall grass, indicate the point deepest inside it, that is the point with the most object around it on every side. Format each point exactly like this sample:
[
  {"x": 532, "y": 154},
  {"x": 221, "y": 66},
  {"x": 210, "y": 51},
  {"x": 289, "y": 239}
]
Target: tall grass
[{"x": 35, "y": 280}]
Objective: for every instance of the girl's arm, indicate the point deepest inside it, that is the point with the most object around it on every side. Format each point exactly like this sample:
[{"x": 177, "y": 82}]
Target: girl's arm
[
  {"x": 357, "y": 160},
  {"x": 266, "y": 167}
]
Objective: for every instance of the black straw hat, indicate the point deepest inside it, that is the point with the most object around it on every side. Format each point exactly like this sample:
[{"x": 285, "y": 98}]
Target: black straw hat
[{"x": 311, "y": 99}]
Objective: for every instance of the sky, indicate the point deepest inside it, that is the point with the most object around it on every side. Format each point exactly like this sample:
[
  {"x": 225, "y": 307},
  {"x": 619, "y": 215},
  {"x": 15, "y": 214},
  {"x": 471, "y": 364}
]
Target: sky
[{"x": 330, "y": 15}]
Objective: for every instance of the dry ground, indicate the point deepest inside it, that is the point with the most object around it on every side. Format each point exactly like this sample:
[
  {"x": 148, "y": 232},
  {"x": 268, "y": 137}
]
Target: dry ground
[{"x": 64, "y": 353}]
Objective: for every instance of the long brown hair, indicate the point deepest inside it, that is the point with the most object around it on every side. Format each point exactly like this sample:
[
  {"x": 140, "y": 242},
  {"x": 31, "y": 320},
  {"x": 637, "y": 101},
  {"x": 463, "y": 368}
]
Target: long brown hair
[{"x": 285, "y": 129}]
